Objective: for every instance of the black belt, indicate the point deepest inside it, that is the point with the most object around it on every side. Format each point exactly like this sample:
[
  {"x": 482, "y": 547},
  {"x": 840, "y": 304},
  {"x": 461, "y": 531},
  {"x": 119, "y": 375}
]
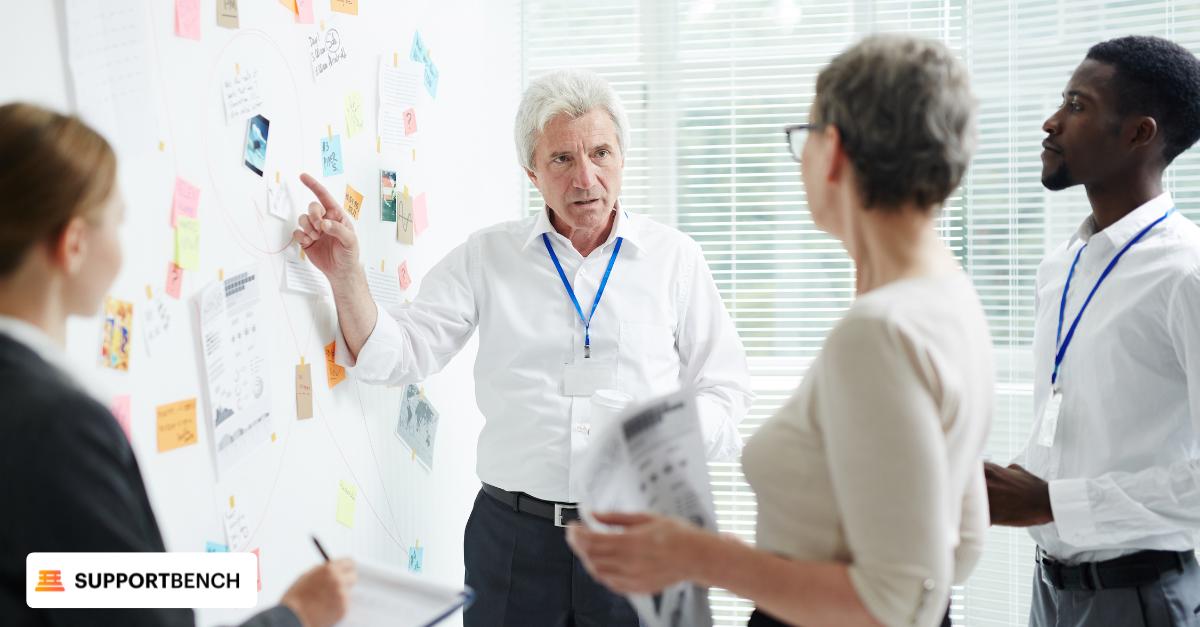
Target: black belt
[
  {"x": 1129, "y": 571},
  {"x": 559, "y": 513}
]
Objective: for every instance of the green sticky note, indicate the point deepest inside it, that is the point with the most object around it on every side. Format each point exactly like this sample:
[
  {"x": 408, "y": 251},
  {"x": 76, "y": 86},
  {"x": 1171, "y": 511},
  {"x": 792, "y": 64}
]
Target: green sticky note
[
  {"x": 347, "y": 494},
  {"x": 187, "y": 243}
]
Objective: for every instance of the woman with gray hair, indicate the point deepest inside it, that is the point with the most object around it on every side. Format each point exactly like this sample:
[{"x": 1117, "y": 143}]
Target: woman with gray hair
[{"x": 869, "y": 481}]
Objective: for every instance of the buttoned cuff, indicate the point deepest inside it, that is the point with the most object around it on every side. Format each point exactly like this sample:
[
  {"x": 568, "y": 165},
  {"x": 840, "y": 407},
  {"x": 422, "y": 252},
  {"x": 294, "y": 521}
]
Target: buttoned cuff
[
  {"x": 720, "y": 434},
  {"x": 1072, "y": 510},
  {"x": 379, "y": 354}
]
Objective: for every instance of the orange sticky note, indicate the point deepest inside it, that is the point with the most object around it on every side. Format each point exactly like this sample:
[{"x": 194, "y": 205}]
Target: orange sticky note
[
  {"x": 333, "y": 372},
  {"x": 349, "y": 7},
  {"x": 353, "y": 201},
  {"x": 120, "y": 411},
  {"x": 405, "y": 277},
  {"x": 289, "y": 5},
  {"x": 187, "y": 19},
  {"x": 176, "y": 425},
  {"x": 304, "y": 391},
  {"x": 174, "y": 280}
]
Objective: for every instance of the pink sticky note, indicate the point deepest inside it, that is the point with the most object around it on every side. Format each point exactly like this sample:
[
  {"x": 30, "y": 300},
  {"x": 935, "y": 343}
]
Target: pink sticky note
[
  {"x": 405, "y": 277},
  {"x": 174, "y": 280},
  {"x": 120, "y": 411},
  {"x": 410, "y": 122},
  {"x": 420, "y": 214},
  {"x": 304, "y": 11},
  {"x": 187, "y": 19},
  {"x": 186, "y": 200},
  {"x": 258, "y": 561}
]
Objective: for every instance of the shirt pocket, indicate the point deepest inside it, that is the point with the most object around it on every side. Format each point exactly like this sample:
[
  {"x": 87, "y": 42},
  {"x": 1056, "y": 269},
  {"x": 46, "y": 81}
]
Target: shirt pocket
[{"x": 648, "y": 356}]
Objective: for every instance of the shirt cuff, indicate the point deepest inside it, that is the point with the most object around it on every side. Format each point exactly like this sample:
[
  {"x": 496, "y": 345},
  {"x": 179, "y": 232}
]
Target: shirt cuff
[
  {"x": 1072, "y": 510},
  {"x": 720, "y": 435},
  {"x": 379, "y": 355}
]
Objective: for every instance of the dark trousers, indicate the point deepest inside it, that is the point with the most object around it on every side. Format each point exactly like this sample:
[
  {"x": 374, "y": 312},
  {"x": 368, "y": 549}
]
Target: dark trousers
[
  {"x": 1172, "y": 601},
  {"x": 762, "y": 619},
  {"x": 524, "y": 575}
]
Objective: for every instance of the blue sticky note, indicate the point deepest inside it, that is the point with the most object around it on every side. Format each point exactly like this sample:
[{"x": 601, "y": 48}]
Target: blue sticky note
[
  {"x": 416, "y": 555},
  {"x": 419, "y": 54},
  {"x": 213, "y": 547},
  {"x": 331, "y": 155},
  {"x": 431, "y": 79}
]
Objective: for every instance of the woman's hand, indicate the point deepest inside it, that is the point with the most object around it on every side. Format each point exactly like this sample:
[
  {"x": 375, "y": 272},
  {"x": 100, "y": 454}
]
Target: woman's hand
[{"x": 649, "y": 554}]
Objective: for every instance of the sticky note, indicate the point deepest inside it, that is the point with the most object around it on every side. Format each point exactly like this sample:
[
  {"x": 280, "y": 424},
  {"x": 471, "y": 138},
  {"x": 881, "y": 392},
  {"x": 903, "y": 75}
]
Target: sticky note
[
  {"x": 258, "y": 560},
  {"x": 416, "y": 556},
  {"x": 354, "y": 113},
  {"x": 227, "y": 13},
  {"x": 331, "y": 155},
  {"x": 405, "y": 277},
  {"x": 304, "y": 11},
  {"x": 352, "y": 201},
  {"x": 185, "y": 201},
  {"x": 289, "y": 5},
  {"x": 431, "y": 79},
  {"x": 333, "y": 372},
  {"x": 176, "y": 425},
  {"x": 215, "y": 547},
  {"x": 404, "y": 219},
  {"x": 410, "y": 122},
  {"x": 174, "y": 280},
  {"x": 304, "y": 391},
  {"x": 349, "y": 7},
  {"x": 116, "y": 334},
  {"x": 187, "y": 19},
  {"x": 187, "y": 243},
  {"x": 120, "y": 411},
  {"x": 418, "y": 52},
  {"x": 347, "y": 494},
  {"x": 420, "y": 215}
]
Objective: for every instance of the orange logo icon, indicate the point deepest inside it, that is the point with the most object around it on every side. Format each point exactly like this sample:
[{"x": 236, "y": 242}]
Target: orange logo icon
[{"x": 49, "y": 581}]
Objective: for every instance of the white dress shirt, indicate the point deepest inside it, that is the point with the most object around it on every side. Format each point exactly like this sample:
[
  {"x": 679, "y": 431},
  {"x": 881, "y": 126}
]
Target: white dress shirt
[
  {"x": 1124, "y": 467},
  {"x": 660, "y": 322}
]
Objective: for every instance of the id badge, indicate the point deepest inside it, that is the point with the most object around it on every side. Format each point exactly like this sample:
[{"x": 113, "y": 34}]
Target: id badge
[
  {"x": 584, "y": 378},
  {"x": 1050, "y": 420}
]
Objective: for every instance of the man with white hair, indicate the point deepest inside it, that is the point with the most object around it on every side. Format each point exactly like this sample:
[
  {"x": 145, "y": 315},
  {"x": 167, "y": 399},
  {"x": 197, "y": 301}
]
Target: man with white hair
[{"x": 581, "y": 297}]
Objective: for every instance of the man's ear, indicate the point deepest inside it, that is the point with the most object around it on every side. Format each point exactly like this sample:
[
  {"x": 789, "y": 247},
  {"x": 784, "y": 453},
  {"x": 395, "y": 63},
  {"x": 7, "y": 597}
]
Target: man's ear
[
  {"x": 69, "y": 247},
  {"x": 532, "y": 176},
  {"x": 836, "y": 154},
  {"x": 1144, "y": 132}
]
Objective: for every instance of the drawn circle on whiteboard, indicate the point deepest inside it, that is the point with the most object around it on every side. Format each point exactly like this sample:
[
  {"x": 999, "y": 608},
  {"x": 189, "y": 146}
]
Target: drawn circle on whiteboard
[{"x": 241, "y": 170}]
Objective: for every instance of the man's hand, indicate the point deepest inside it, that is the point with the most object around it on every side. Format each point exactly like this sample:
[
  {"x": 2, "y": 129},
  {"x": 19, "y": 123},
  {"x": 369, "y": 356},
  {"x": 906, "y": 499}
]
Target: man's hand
[
  {"x": 321, "y": 596},
  {"x": 327, "y": 236},
  {"x": 1017, "y": 497}
]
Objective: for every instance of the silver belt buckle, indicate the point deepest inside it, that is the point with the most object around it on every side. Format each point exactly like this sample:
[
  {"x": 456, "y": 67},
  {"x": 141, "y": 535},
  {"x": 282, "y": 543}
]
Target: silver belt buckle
[{"x": 558, "y": 510}]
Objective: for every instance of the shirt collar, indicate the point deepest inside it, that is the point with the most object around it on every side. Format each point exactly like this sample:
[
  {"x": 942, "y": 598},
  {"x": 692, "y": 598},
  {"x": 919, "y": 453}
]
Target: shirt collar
[
  {"x": 1124, "y": 229},
  {"x": 52, "y": 353},
  {"x": 625, "y": 226}
]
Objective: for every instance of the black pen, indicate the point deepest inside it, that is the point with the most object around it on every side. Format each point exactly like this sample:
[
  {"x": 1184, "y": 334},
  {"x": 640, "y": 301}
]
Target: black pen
[{"x": 320, "y": 548}]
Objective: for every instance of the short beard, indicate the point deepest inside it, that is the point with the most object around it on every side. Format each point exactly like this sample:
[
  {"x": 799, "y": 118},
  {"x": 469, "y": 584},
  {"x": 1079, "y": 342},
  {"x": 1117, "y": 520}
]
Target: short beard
[{"x": 1059, "y": 179}]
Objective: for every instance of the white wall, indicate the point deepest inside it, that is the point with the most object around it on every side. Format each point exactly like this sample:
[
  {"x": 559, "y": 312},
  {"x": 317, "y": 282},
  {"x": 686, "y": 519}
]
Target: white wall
[{"x": 466, "y": 162}]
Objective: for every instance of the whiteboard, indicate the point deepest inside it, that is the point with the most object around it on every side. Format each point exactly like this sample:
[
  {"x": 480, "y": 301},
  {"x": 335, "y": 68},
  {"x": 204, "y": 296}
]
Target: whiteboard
[{"x": 287, "y": 489}]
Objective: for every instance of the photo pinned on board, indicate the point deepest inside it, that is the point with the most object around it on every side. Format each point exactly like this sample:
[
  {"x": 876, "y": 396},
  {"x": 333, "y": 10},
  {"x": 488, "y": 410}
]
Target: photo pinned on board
[
  {"x": 256, "y": 144},
  {"x": 387, "y": 195}
]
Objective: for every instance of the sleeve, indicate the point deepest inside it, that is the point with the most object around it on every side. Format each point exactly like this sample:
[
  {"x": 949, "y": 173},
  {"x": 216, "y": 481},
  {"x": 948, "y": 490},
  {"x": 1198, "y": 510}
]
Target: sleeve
[
  {"x": 79, "y": 482},
  {"x": 412, "y": 342},
  {"x": 713, "y": 361},
  {"x": 887, "y": 462},
  {"x": 277, "y": 616},
  {"x": 973, "y": 528},
  {"x": 1120, "y": 506}
]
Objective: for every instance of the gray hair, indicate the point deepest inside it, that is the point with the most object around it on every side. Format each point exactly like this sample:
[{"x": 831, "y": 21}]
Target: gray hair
[
  {"x": 906, "y": 115},
  {"x": 565, "y": 92}
]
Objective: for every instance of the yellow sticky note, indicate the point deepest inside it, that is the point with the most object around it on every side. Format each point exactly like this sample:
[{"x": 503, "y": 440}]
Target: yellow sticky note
[
  {"x": 333, "y": 372},
  {"x": 353, "y": 201},
  {"x": 187, "y": 243},
  {"x": 347, "y": 494},
  {"x": 176, "y": 425},
  {"x": 355, "y": 116},
  {"x": 349, "y": 7},
  {"x": 304, "y": 391}
]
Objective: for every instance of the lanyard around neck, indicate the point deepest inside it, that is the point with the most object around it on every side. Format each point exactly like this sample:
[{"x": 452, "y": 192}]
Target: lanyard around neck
[{"x": 587, "y": 321}]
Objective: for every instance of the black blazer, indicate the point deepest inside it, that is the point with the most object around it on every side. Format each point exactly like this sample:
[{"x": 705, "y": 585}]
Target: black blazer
[{"x": 69, "y": 482}]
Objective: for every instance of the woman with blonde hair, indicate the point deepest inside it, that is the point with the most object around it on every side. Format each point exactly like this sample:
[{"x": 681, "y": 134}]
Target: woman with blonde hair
[{"x": 869, "y": 480}]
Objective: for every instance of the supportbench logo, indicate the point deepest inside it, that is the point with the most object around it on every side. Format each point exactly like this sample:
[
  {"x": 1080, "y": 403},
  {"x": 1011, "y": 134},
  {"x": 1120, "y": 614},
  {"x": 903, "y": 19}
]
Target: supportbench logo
[{"x": 108, "y": 580}]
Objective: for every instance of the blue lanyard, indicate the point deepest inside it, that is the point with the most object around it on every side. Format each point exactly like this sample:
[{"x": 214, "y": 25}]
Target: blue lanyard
[
  {"x": 587, "y": 322},
  {"x": 1059, "y": 341}
]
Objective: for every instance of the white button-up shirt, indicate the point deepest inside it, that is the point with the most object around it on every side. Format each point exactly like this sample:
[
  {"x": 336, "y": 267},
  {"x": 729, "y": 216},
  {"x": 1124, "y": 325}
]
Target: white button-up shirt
[
  {"x": 1124, "y": 468},
  {"x": 660, "y": 319}
]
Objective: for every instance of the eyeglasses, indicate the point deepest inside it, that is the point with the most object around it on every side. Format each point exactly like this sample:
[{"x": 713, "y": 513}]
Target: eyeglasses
[{"x": 795, "y": 137}]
